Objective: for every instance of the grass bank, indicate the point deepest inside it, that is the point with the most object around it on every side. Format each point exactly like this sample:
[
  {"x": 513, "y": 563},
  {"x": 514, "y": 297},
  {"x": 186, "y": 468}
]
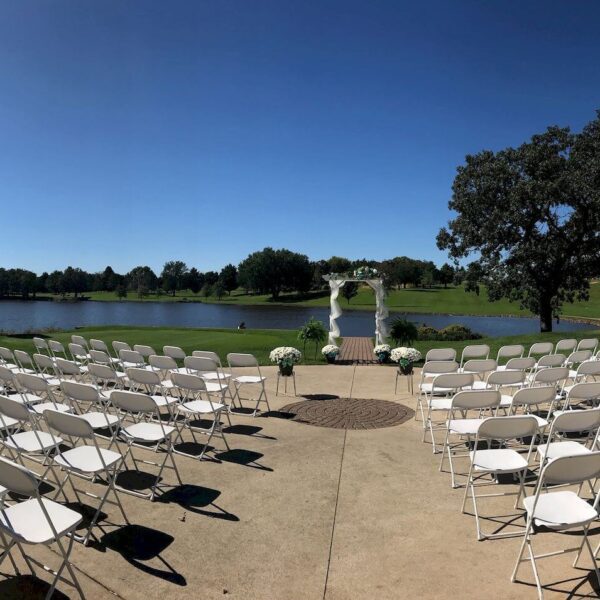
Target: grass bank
[
  {"x": 451, "y": 300},
  {"x": 257, "y": 342}
]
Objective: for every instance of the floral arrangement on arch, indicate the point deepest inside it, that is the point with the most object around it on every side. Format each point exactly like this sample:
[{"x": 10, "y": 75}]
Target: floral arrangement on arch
[
  {"x": 330, "y": 350},
  {"x": 365, "y": 273},
  {"x": 285, "y": 356}
]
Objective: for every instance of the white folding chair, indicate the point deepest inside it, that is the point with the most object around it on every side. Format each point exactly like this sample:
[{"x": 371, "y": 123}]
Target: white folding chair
[
  {"x": 104, "y": 376},
  {"x": 219, "y": 373},
  {"x": 460, "y": 425},
  {"x": 118, "y": 346},
  {"x": 526, "y": 364},
  {"x": 88, "y": 461},
  {"x": 585, "y": 372},
  {"x": 79, "y": 354},
  {"x": 527, "y": 398},
  {"x": 474, "y": 351},
  {"x": 215, "y": 379},
  {"x": 149, "y": 382},
  {"x": 555, "y": 376},
  {"x": 131, "y": 359},
  {"x": 100, "y": 346},
  {"x": 246, "y": 361},
  {"x": 68, "y": 369},
  {"x": 196, "y": 403},
  {"x": 479, "y": 367},
  {"x": 499, "y": 461},
  {"x": 445, "y": 354},
  {"x": 36, "y": 521},
  {"x": 444, "y": 385},
  {"x": 541, "y": 348},
  {"x": 429, "y": 371},
  {"x": 174, "y": 352},
  {"x": 145, "y": 351},
  {"x": 560, "y": 511},
  {"x": 46, "y": 368},
  {"x": 57, "y": 349},
  {"x": 38, "y": 387},
  {"x": 581, "y": 395},
  {"x": 588, "y": 344},
  {"x": 550, "y": 361},
  {"x": 508, "y": 352},
  {"x": 504, "y": 381},
  {"x": 7, "y": 359},
  {"x": 25, "y": 362},
  {"x": 143, "y": 434},
  {"x": 79, "y": 339},
  {"x": 566, "y": 346},
  {"x": 41, "y": 345},
  {"x": 164, "y": 366}
]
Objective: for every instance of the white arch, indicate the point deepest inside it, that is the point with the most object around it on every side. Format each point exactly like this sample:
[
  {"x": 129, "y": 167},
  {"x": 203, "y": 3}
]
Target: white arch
[{"x": 381, "y": 311}]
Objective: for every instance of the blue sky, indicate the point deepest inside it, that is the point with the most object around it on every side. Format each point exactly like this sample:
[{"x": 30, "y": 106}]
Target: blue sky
[{"x": 137, "y": 132}]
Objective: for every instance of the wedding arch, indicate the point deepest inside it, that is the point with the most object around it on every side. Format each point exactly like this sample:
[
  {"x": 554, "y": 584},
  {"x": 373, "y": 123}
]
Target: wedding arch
[{"x": 336, "y": 282}]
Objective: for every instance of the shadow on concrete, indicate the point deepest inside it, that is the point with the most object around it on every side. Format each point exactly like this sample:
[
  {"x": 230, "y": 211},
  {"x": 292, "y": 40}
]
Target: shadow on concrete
[
  {"x": 197, "y": 499},
  {"x": 246, "y": 458},
  {"x": 30, "y": 587},
  {"x": 138, "y": 545}
]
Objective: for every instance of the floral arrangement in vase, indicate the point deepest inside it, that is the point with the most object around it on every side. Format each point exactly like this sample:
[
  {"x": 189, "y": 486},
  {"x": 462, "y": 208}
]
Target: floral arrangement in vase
[
  {"x": 405, "y": 357},
  {"x": 365, "y": 273},
  {"x": 382, "y": 352},
  {"x": 330, "y": 352},
  {"x": 285, "y": 357}
]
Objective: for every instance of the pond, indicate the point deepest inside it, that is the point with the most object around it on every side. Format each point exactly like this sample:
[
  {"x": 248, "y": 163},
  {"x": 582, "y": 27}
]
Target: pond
[{"x": 18, "y": 317}]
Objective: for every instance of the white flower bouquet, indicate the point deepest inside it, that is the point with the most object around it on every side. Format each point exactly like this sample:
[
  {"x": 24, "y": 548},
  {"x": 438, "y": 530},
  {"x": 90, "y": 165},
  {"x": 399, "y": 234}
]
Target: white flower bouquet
[
  {"x": 408, "y": 354},
  {"x": 382, "y": 349},
  {"x": 330, "y": 350},
  {"x": 285, "y": 356}
]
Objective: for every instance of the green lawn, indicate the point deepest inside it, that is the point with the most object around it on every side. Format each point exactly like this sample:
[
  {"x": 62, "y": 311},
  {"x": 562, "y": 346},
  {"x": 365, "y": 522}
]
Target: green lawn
[
  {"x": 257, "y": 342},
  {"x": 453, "y": 300}
]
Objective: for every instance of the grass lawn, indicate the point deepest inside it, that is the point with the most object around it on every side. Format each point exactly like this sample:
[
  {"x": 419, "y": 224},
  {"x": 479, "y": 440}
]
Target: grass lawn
[
  {"x": 257, "y": 342},
  {"x": 453, "y": 300}
]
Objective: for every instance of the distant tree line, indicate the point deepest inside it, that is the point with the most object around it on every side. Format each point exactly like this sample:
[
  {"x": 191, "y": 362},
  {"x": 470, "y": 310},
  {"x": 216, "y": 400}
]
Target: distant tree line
[{"x": 268, "y": 271}]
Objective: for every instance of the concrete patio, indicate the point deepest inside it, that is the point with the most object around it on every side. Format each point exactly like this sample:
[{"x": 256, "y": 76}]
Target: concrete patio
[{"x": 296, "y": 511}]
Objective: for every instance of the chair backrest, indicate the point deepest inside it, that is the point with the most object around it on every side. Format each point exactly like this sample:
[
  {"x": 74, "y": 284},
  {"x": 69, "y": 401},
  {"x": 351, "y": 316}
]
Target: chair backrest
[
  {"x": 7, "y": 376},
  {"x": 143, "y": 376},
  {"x": 43, "y": 362},
  {"x": 521, "y": 364},
  {"x": 133, "y": 402},
  {"x": 235, "y": 359},
  {"x": 589, "y": 368},
  {"x": 174, "y": 352},
  {"x": 33, "y": 383},
  {"x": 187, "y": 381},
  {"x": 435, "y": 367},
  {"x": 551, "y": 375},
  {"x": 118, "y": 346},
  {"x": 162, "y": 363},
  {"x": 79, "y": 339},
  {"x": 200, "y": 364},
  {"x": 56, "y": 347},
  {"x": 534, "y": 395},
  {"x": 67, "y": 424},
  {"x": 208, "y": 354},
  {"x": 23, "y": 358},
  {"x": 572, "y": 421},
  {"x": 507, "y": 428},
  {"x": 441, "y": 354},
  {"x": 578, "y": 356},
  {"x": 18, "y": 479},
  {"x": 78, "y": 352},
  {"x": 506, "y": 378},
  {"x": 100, "y": 356},
  {"x": 7, "y": 354},
  {"x": 566, "y": 346},
  {"x": 584, "y": 391},
  {"x": 571, "y": 469},
  {"x": 13, "y": 409},
  {"x": 513, "y": 351},
  {"x": 588, "y": 344},
  {"x": 67, "y": 367},
  {"x": 541, "y": 348},
  {"x": 81, "y": 392},
  {"x": 40, "y": 344},
  {"x": 102, "y": 371},
  {"x": 99, "y": 345},
  {"x": 479, "y": 365},
  {"x": 481, "y": 351},
  {"x": 551, "y": 360},
  {"x": 145, "y": 351},
  {"x": 452, "y": 381},
  {"x": 131, "y": 356},
  {"x": 475, "y": 399}
]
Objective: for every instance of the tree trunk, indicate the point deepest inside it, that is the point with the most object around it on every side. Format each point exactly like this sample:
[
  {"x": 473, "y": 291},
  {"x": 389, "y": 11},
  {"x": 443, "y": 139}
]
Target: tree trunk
[{"x": 545, "y": 316}]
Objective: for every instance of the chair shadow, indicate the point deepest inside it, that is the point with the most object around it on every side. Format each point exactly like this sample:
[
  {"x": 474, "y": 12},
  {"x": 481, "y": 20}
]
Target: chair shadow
[
  {"x": 196, "y": 499},
  {"x": 249, "y": 430},
  {"x": 312, "y": 397},
  {"x": 246, "y": 458},
  {"x": 138, "y": 544},
  {"x": 30, "y": 587},
  {"x": 556, "y": 586},
  {"x": 194, "y": 450},
  {"x": 136, "y": 481},
  {"x": 277, "y": 414}
]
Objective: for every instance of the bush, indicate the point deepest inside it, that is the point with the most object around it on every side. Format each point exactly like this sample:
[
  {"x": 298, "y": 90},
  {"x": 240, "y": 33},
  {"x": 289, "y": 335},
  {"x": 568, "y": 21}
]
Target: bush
[
  {"x": 451, "y": 333},
  {"x": 403, "y": 332}
]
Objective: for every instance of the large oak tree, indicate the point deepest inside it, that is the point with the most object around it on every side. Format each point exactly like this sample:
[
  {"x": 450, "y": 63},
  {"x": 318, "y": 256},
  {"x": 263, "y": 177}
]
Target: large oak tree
[{"x": 531, "y": 217}]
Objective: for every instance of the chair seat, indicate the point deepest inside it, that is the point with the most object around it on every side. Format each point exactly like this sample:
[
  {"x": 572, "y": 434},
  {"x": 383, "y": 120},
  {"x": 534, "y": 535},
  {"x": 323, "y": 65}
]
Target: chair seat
[
  {"x": 86, "y": 459},
  {"x": 32, "y": 441},
  {"x": 249, "y": 379},
  {"x": 215, "y": 386},
  {"x": 558, "y": 449},
  {"x": 464, "y": 426},
  {"x": 427, "y": 388},
  {"x": 505, "y": 400},
  {"x": 27, "y": 523},
  {"x": 560, "y": 510},
  {"x": 7, "y": 422},
  {"x": 480, "y": 385},
  {"x": 98, "y": 420},
  {"x": 163, "y": 400},
  {"x": 440, "y": 403},
  {"x": 148, "y": 432},
  {"x": 40, "y": 408},
  {"x": 214, "y": 376},
  {"x": 502, "y": 460},
  {"x": 200, "y": 406},
  {"x": 51, "y": 381}
]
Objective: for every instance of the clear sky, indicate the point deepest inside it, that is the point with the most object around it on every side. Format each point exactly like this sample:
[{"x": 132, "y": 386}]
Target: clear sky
[{"x": 137, "y": 132}]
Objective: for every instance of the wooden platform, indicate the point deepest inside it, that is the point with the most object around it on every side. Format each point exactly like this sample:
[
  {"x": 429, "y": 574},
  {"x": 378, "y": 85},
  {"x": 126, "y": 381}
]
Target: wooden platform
[{"x": 357, "y": 350}]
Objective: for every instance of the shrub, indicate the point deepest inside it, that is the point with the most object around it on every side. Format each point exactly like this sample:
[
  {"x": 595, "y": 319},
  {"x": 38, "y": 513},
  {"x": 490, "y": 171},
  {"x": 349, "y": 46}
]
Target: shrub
[
  {"x": 312, "y": 331},
  {"x": 458, "y": 333},
  {"x": 427, "y": 333},
  {"x": 403, "y": 332}
]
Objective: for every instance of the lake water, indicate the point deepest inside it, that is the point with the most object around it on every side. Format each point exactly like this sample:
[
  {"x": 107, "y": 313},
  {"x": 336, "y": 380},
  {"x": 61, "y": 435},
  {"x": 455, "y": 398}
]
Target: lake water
[{"x": 18, "y": 317}]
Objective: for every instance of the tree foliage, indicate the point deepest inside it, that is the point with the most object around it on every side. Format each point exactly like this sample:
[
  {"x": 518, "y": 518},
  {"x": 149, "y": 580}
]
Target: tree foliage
[
  {"x": 532, "y": 216},
  {"x": 349, "y": 290}
]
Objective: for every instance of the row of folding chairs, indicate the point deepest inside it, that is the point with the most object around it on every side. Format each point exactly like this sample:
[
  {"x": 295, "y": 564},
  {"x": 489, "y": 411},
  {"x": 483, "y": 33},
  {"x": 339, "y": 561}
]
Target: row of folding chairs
[{"x": 560, "y": 448}]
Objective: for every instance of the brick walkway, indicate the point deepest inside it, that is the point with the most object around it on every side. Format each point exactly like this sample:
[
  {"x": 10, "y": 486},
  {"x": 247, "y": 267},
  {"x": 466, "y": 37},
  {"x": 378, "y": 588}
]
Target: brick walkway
[{"x": 357, "y": 350}]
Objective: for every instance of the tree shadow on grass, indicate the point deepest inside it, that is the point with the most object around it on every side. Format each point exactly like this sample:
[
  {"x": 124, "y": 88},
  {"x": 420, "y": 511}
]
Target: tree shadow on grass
[
  {"x": 138, "y": 545},
  {"x": 196, "y": 499}
]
